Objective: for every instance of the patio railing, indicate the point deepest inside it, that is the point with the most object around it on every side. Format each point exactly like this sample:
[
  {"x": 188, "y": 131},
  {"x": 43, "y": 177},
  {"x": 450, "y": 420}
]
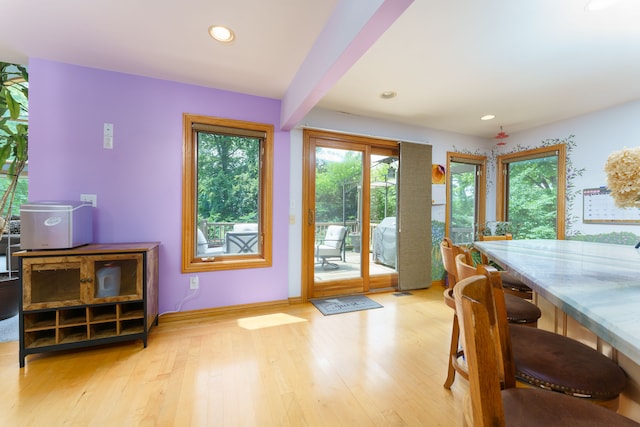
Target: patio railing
[
  {"x": 215, "y": 231},
  {"x": 462, "y": 235}
]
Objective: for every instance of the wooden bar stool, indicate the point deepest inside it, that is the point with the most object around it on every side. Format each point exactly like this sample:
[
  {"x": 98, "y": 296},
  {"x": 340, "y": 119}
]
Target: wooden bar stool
[
  {"x": 510, "y": 283},
  {"x": 493, "y": 399},
  {"x": 455, "y": 365},
  {"x": 555, "y": 362},
  {"x": 519, "y": 310}
]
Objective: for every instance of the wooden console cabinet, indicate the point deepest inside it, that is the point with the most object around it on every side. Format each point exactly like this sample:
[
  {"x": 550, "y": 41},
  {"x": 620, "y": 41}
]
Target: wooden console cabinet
[{"x": 64, "y": 305}]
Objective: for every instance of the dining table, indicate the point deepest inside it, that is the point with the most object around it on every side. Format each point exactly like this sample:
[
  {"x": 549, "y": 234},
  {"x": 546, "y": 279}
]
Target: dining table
[{"x": 597, "y": 284}]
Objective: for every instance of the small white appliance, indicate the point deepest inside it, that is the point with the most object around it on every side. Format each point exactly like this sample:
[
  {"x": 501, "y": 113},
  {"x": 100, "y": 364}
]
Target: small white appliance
[{"x": 55, "y": 224}]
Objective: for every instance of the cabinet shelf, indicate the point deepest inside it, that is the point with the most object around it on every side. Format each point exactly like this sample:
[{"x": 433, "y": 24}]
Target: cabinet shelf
[
  {"x": 40, "y": 339},
  {"x": 132, "y": 315},
  {"x": 73, "y": 316},
  {"x": 130, "y": 311},
  {"x": 40, "y": 327},
  {"x": 102, "y": 314},
  {"x": 39, "y": 321},
  {"x": 72, "y": 334},
  {"x": 127, "y": 328},
  {"x": 70, "y": 301},
  {"x": 103, "y": 330}
]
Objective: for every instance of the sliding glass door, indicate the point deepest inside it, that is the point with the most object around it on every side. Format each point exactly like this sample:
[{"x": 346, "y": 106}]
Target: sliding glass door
[
  {"x": 383, "y": 207},
  {"x": 338, "y": 213},
  {"x": 349, "y": 191}
]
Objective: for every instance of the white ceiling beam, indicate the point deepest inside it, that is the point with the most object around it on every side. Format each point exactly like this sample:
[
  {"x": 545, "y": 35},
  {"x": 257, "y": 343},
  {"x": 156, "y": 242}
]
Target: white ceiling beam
[{"x": 353, "y": 27}]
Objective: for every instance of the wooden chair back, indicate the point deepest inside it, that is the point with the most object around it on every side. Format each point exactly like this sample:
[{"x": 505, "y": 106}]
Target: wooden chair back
[
  {"x": 488, "y": 353},
  {"x": 500, "y": 311},
  {"x": 483, "y": 349},
  {"x": 464, "y": 268},
  {"x": 507, "y": 236},
  {"x": 449, "y": 251}
]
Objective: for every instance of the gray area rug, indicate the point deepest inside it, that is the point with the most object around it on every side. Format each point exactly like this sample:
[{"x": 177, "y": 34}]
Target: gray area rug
[
  {"x": 9, "y": 329},
  {"x": 345, "y": 304}
]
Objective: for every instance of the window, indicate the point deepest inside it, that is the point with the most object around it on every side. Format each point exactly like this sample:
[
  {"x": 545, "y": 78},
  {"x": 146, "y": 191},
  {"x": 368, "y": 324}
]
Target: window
[
  {"x": 466, "y": 188},
  {"x": 531, "y": 192},
  {"x": 227, "y": 194}
]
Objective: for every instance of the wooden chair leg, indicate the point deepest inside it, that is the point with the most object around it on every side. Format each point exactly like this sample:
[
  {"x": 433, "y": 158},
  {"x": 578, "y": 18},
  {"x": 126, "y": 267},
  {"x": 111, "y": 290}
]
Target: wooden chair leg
[{"x": 453, "y": 352}]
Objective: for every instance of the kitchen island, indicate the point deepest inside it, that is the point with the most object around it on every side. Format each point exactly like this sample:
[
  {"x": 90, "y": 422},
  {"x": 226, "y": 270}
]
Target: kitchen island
[{"x": 589, "y": 291}]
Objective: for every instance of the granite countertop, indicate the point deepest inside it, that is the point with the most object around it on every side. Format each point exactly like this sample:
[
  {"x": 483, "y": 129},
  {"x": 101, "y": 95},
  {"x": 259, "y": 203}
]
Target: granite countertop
[{"x": 597, "y": 284}]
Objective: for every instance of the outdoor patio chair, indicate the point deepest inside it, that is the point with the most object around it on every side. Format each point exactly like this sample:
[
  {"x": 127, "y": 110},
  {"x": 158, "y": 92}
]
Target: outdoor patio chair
[
  {"x": 203, "y": 248},
  {"x": 332, "y": 246},
  {"x": 241, "y": 242}
]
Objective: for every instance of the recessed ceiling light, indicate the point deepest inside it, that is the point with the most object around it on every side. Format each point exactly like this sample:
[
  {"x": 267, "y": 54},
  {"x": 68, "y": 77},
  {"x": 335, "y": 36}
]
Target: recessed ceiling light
[
  {"x": 488, "y": 117},
  {"x": 221, "y": 33},
  {"x": 388, "y": 94}
]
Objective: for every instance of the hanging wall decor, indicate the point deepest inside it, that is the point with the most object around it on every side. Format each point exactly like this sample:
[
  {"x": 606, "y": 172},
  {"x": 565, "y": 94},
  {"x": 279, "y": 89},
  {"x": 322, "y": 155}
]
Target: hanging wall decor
[
  {"x": 501, "y": 136},
  {"x": 438, "y": 174}
]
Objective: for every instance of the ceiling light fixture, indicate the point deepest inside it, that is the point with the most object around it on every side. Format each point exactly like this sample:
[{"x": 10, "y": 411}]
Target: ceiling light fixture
[
  {"x": 488, "y": 117},
  {"x": 221, "y": 33},
  {"x": 501, "y": 136},
  {"x": 388, "y": 94}
]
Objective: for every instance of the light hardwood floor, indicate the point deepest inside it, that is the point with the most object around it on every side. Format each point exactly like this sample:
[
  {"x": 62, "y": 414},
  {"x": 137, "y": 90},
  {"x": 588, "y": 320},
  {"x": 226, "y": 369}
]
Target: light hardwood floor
[{"x": 285, "y": 366}]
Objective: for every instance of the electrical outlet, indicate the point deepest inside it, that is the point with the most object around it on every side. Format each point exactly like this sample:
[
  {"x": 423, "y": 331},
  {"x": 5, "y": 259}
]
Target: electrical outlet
[
  {"x": 90, "y": 198},
  {"x": 194, "y": 283}
]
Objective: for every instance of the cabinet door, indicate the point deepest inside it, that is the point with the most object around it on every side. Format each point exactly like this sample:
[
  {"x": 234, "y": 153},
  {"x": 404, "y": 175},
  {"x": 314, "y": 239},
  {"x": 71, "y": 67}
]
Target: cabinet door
[
  {"x": 116, "y": 277},
  {"x": 51, "y": 282}
]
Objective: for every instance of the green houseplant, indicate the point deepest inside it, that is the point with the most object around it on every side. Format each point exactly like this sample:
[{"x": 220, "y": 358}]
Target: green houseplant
[
  {"x": 13, "y": 130},
  {"x": 13, "y": 160}
]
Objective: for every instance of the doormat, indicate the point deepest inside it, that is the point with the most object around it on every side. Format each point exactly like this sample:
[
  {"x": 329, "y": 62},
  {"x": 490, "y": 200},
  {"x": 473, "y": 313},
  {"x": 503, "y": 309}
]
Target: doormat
[{"x": 346, "y": 304}]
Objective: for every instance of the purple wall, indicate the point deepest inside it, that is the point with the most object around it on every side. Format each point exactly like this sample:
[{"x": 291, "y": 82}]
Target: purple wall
[{"x": 139, "y": 182}]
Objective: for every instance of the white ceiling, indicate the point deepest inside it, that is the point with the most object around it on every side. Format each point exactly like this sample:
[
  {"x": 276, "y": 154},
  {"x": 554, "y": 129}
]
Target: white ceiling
[{"x": 529, "y": 62}]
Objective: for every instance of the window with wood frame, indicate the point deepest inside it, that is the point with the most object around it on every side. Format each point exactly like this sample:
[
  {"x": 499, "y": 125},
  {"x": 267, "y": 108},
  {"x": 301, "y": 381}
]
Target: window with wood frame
[
  {"x": 466, "y": 195},
  {"x": 227, "y": 194},
  {"x": 531, "y": 192}
]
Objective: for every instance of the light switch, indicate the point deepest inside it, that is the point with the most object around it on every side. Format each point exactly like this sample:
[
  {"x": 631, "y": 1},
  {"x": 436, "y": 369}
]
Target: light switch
[{"x": 107, "y": 141}]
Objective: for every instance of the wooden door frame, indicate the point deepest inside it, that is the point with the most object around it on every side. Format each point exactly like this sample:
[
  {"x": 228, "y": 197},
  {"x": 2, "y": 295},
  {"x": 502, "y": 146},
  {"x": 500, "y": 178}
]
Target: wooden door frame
[{"x": 340, "y": 141}]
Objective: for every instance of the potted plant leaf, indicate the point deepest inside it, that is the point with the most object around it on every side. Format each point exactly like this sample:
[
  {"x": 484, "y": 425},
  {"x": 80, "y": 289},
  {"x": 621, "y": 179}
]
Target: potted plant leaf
[{"x": 13, "y": 160}]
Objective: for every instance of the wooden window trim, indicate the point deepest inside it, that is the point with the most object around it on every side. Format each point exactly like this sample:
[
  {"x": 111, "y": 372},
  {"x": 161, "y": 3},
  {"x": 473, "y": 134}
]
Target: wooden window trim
[
  {"x": 190, "y": 262},
  {"x": 503, "y": 161},
  {"x": 472, "y": 159}
]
